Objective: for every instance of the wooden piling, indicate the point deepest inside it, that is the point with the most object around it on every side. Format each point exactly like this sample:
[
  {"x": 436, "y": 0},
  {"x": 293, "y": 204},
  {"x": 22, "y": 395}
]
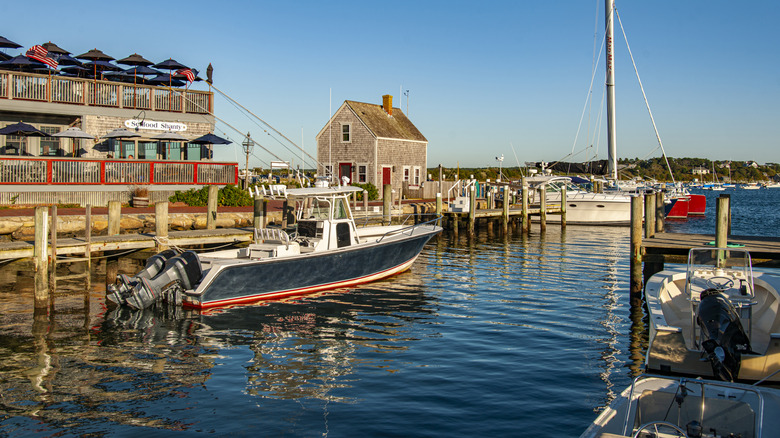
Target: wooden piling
[
  {"x": 542, "y": 208},
  {"x": 258, "y": 212},
  {"x": 472, "y": 209},
  {"x": 505, "y": 215},
  {"x": 114, "y": 217},
  {"x": 211, "y": 210},
  {"x": 636, "y": 246},
  {"x": 659, "y": 212},
  {"x": 365, "y": 201},
  {"x": 563, "y": 207},
  {"x": 387, "y": 203},
  {"x": 650, "y": 215},
  {"x": 41, "y": 256},
  {"x": 88, "y": 238},
  {"x": 161, "y": 225},
  {"x": 53, "y": 260},
  {"x": 524, "y": 196},
  {"x": 722, "y": 221}
]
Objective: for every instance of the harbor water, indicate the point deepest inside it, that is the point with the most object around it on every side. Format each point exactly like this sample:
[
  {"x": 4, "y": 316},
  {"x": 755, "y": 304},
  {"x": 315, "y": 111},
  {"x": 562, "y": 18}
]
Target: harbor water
[{"x": 485, "y": 336}]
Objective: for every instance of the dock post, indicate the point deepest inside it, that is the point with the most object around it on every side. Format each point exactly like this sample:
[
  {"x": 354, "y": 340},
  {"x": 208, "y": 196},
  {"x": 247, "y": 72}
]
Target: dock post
[
  {"x": 563, "y": 207},
  {"x": 286, "y": 212},
  {"x": 524, "y": 214},
  {"x": 40, "y": 256},
  {"x": 88, "y": 237},
  {"x": 387, "y": 203},
  {"x": 400, "y": 197},
  {"x": 258, "y": 213},
  {"x": 543, "y": 208},
  {"x": 659, "y": 212},
  {"x": 722, "y": 221},
  {"x": 439, "y": 204},
  {"x": 53, "y": 260},
  {"x": 365, "y": 201},
  {"x": 505, "y": 217},
  {"x": 161, "y": 225},
  {"x": 211, "y": 211},
  {"x": 650, "y": 215},
  {"x": 114, "y": 217},
  {"x": 472, "y": 209},
  {"x": 636, "y": 246}
]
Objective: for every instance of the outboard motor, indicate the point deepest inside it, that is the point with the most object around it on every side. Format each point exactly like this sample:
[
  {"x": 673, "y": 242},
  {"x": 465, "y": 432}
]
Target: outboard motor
[
  {"x": 723, "y": 338},
  {"x": 177, "y": 275},
  {"x": 124, "y": 285}
]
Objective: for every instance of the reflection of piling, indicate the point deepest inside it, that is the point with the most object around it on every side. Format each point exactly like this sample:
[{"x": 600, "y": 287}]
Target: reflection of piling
[
  {"x": 524, "y": 195},
  {"x": 472, "y": 209}
]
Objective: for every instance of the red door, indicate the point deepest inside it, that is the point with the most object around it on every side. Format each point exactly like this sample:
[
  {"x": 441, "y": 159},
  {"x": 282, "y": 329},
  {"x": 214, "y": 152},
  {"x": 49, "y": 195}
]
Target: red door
[{"x": 386, "y": 175}]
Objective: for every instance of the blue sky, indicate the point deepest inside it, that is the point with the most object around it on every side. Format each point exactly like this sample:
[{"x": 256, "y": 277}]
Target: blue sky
[{"x": 485, "y": 78}]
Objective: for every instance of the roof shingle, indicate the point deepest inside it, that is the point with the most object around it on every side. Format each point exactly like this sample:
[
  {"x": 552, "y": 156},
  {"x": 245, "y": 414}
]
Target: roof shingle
[{"x": 397, "y": 126}]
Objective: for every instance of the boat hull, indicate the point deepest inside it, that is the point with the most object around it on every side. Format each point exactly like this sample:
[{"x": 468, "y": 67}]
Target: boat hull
[
  {"x": 679, "y": 209},
  {"x": 697, "y": 205},
  {"x": 267, "y": 279},
  {"x": 594, "y": 209}
]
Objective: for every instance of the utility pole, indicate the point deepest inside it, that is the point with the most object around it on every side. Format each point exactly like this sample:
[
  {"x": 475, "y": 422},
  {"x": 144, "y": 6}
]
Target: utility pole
[{"x": 247, "y": 144}]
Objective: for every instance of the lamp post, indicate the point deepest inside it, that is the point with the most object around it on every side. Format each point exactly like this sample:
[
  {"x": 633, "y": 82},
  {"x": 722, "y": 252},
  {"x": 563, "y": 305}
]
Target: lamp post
[
  {"x": 500, "y": 160},
  {"x": 247, "y": 144}
]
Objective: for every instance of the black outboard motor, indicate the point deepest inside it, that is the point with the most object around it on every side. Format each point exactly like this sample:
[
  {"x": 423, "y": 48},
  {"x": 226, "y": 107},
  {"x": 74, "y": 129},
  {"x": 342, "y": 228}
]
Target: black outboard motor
[
  {"x": 124, "y": 285},
  {"x": 177, "y": 275},
  {"x": 723, "y": 338}
]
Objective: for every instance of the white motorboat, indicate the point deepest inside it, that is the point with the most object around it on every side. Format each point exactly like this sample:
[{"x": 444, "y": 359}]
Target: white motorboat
[
  {"x": 666, "y": 407},
  {"x": 714, "y": 317},
  {"x": 582, "y": 207},
  {"x": 323, "y": 249}
]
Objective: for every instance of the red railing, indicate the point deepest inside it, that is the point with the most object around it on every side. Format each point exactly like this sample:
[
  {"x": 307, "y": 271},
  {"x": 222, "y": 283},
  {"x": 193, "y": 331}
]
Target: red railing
[
  {"x": 64, "y": 171},
  {"x": 89, "y": 92}
]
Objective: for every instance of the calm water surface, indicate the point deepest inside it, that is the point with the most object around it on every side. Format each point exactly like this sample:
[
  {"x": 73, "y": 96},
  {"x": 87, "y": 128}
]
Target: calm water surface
[{"x": 489, "y": 336}]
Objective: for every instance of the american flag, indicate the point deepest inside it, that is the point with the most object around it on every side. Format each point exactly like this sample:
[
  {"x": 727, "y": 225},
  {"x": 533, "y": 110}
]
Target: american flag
[
  {"x": 186, "y": 73},
  {"x": 39, "y": 53}
]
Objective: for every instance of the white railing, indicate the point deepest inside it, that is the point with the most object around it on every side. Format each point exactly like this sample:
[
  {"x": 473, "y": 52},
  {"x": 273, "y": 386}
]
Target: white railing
[{"x": 78, "y": 91}]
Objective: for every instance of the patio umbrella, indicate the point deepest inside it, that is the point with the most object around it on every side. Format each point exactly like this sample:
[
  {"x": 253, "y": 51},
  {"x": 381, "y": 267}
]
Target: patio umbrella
[
  {"x": 74, "y": 134},
  {"x": 165, "y": 79},
  {"x": 65, "y": 59},
  {"x": 135, "y": 59},
  {"x": 21, "y": 62},
  {"x": 23, "y": 130},
  {"x": 121, "y": 133},
  {"x": 4, "y": 56},
  {"x": 75, "y": 70},
  {"x": 53, "y": 48},
  {"x": 210, "y": 139},
  {"x": 95, "y": 55},
  {"x": 169, "y": 64},
  {"x": 5, "y": 42}
]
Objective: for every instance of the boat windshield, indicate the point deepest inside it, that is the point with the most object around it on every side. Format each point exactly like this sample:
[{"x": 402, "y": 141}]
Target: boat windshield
[
  {"x": 720, "y": 267},
  {"x": 340, "y": 209}
]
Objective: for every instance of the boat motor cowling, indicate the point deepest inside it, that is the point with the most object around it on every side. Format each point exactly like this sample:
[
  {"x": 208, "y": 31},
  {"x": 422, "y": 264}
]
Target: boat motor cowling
[
  {"x": 722, "y": 336},
  {"x": 178, "y": 274},
  {"x": 124, "y": 285}
]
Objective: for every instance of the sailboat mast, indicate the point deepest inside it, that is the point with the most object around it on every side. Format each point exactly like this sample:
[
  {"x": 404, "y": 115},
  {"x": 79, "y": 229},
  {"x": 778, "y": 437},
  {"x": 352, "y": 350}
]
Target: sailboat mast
[{"x": 610, "y": 82}]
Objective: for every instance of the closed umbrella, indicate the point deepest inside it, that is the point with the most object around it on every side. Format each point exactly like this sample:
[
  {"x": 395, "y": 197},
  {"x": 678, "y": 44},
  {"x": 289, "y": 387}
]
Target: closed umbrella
[
  {"x": 23, "y": 130},
  {"x": 74, "y": 134}
]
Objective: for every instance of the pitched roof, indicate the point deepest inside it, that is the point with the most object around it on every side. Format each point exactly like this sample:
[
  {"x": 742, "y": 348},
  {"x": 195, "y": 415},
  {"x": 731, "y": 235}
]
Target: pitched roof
[{"x": 397, "y": 126}]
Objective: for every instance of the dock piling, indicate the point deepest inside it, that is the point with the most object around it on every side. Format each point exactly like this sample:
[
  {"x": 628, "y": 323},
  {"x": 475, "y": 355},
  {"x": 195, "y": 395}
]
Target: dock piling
[
  {"x": 524, "y": 196},
  {"x": 161, "y": 225},
  {"x": 41, "y": 256},
  {"x": 650, "y": 214},
  {"x": 563, "y": 207},
  {"x": 722, "y": 221},
  {"x": 636, "y": 246},
  {"x": 114, "y": 217},
  {"x": 387, "y": 203},
  {"x": 542, "y": 208},
  {"x": 211, "y": 213}
]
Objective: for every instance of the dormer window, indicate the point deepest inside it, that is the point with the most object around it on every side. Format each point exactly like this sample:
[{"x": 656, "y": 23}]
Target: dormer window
[{"x": 346, "y": 133}]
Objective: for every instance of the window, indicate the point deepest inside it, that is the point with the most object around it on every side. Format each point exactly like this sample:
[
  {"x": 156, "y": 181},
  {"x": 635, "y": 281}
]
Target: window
[
  {"x": 127, "y": 148},
  {"x": 345, "y": 133},
  {"x": 49, "y": 145},
  {"x": 406, "y": 174},
  {"x": 416, "y": 176},
  {"x": 13, "y": 145},
  {"x": 362, "y": 173},
  {"x": 328, "y": 170}
]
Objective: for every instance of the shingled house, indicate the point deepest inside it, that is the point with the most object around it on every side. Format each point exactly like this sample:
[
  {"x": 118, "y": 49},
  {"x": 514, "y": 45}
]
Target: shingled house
[{"x": 374, "y": 144}]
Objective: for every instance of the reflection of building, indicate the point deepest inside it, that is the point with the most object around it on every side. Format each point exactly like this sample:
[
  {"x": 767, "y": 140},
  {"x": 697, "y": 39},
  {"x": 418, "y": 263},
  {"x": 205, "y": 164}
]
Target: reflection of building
[
  {"x": 53, "y": 103},
  {"x": 374, "y": 144}
]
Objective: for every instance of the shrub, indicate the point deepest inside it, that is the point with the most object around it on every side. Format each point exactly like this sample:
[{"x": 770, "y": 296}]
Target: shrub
[
  {"x": 373, "y": 193},
  {"x": 228, "y": 196}
]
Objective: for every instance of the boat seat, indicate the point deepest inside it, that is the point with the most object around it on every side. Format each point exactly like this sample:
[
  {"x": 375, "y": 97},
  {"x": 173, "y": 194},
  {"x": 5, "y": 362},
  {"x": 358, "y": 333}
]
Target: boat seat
[{"x": 272, "y": 235}]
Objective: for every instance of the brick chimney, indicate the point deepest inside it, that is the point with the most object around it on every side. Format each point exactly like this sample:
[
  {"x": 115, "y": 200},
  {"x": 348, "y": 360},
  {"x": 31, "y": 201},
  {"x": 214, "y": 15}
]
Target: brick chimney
[{"x": 387, "y": 104}]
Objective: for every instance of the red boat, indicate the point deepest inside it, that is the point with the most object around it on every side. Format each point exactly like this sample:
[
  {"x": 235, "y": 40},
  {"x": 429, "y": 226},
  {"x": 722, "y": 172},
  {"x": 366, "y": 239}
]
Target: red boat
[
  {"x": 697, "y": 204},
  {"x": 678, "y": 208}
]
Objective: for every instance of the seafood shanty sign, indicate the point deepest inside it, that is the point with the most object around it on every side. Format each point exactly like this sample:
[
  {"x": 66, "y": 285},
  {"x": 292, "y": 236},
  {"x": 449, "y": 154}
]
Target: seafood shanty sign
[{"x": 159, "y": 126}]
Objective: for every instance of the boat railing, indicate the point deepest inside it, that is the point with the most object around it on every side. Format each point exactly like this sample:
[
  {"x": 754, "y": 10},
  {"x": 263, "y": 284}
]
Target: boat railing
[
  {"x": 411, "y": 228},
  {"x": 704, "y": 385}
]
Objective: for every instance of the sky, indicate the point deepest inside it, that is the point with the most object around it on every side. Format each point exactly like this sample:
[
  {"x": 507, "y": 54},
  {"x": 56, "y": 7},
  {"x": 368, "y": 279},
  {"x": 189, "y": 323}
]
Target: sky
[{"x": 480, "y": 80}]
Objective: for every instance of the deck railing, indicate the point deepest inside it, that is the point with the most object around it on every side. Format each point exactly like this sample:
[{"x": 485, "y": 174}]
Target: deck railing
[
  {"x": 89, "y": 92},
  {"x": 63, "y": 171}
]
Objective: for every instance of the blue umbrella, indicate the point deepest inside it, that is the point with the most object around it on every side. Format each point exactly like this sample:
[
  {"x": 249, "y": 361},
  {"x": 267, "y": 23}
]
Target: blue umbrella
[
  {"x": 165, "y": 79},
  {"x": 210, "y": 139},
  {"x": 169, "y": 64},
  {"x": 23, "y": 130},
  {"x": 21, "y": 62},
  {"x": 5, "y": 42}
]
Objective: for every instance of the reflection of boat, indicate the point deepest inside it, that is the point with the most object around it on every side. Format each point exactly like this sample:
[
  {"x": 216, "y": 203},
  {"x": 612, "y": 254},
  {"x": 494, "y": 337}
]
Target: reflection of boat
[
  {"x": 666, "y": 407},
  {"x": 582, "y": 207},
  {"x": 323, "y": 250},
  {"x": 716, "y": 317}
]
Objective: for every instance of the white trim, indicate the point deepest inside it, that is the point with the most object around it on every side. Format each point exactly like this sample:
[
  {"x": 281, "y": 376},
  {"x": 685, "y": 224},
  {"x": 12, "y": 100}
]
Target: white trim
[{"x": 403, "y": 139}]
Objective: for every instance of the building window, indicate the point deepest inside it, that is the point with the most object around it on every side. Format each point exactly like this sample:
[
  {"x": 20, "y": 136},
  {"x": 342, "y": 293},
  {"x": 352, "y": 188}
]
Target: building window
[
  {"x": 328, "y": 170},
  {"x": 362, "y": 173},
  {"x": 50, "y": 145},
  {"x": 346, "y": 133},
  {"x": 416, "y": 176},
  {"x": 407, "y": 173},
  {"x": 13, "y": 145}
]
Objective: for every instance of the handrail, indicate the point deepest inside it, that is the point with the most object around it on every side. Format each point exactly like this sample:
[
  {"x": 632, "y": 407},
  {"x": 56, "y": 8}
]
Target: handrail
[{"x": 411, "y": 228}]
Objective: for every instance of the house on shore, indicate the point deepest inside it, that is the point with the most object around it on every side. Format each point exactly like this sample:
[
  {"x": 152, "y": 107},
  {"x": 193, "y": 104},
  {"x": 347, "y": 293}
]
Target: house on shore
[{"x": 371, "y": 143}]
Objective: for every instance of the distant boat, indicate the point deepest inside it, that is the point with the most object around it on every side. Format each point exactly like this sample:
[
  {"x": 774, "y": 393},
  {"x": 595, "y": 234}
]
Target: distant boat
[
  {"x": 583, "y": 207},
  {"x": 751, "y": 186}
]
